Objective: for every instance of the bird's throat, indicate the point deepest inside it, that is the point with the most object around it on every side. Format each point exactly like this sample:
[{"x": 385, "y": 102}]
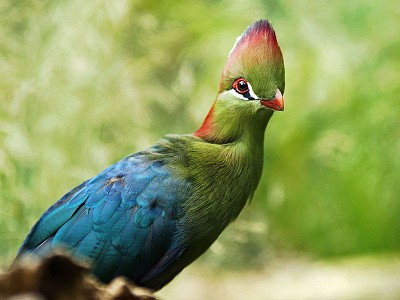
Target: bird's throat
[{"x": 224, "y": 124}]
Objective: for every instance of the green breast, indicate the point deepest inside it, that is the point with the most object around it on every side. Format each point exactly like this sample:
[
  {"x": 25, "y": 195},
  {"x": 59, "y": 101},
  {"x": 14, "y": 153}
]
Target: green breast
[{"x": 224, "y": 177}]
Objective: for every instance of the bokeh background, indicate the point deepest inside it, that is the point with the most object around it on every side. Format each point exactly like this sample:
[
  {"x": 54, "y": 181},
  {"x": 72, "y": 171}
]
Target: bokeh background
[{"x": 85, "y": 83}]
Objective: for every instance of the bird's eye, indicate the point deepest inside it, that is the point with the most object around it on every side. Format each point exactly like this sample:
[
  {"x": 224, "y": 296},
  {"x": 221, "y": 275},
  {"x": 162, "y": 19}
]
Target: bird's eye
[{"x": 240, "y": 85}]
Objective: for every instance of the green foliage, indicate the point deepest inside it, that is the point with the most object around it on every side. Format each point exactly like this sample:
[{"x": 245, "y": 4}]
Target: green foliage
[
  {"x": 331, "y": 184},
  {"x": 86, "y": 83}
]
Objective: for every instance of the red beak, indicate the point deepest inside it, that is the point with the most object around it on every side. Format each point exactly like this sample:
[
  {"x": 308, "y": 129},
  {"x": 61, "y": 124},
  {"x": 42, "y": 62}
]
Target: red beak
[{"x": 276, "y": 103}]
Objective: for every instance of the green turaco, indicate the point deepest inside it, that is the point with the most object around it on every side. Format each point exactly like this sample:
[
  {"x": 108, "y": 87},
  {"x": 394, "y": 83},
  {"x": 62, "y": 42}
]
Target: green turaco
[{"x": 154, "y": 212}]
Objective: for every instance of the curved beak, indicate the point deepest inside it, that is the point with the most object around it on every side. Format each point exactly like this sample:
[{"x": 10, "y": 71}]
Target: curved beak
[{"x": 276, "y": 103}]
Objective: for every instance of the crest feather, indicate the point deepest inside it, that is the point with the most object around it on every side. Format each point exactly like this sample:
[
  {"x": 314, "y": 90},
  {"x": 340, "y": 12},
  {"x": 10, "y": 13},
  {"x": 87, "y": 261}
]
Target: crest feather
[
  {"x": 256, "y": 49},
  {"x": 259, "y": 32}
]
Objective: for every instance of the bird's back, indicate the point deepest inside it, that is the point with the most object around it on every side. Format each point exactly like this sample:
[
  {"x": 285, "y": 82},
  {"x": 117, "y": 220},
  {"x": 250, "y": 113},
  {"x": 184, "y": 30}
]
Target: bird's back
[{"x": 122, "y": 221}]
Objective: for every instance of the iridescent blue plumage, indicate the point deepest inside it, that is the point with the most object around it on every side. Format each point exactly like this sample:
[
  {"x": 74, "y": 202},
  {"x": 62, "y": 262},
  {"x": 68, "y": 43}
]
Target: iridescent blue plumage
[{"x": 123, "y": 221}]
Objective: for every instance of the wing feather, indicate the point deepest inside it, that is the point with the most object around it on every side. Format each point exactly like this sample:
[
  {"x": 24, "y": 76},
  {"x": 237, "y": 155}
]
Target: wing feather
[{"x": 124, "y": 220}]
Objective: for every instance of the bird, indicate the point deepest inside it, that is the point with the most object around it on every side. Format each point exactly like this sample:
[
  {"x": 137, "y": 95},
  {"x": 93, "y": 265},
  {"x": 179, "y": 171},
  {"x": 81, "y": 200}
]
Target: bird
[{"x": 154, "y": 212}]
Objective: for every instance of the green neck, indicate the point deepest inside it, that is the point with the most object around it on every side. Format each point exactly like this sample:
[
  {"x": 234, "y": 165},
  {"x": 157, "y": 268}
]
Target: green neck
[
  {"x": 225, "y": 166},
  {"x": 227, "y": 123}
]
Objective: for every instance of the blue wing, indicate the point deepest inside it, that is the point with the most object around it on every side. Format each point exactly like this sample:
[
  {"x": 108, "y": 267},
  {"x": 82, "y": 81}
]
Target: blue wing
[{"x": 124, "y": 220}]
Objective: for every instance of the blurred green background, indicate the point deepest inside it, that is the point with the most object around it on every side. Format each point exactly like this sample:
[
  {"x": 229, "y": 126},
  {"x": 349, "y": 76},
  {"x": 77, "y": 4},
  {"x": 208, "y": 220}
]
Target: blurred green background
[{"x": 84, "y": 84}]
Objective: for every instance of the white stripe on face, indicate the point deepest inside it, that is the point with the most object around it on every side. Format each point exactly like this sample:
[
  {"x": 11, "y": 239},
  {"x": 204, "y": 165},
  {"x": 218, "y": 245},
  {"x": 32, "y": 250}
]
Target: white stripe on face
[{"x": 240, "y": 96}]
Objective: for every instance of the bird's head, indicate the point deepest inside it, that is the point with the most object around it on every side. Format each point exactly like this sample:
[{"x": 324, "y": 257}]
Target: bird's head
[
  {"x": 252, "y": 82},
  {"x": 255, "y": 71}
]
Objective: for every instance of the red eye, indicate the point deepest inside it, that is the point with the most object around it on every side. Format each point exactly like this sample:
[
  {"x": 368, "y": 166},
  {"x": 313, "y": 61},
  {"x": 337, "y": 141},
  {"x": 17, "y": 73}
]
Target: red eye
[{"x": 240, "y": 85}]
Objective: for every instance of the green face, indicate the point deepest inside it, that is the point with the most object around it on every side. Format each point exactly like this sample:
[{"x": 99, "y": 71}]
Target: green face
[
  {"x": 255, "y": 84},
  {"x": 263, "y": 78},
  {"x": 251, "y": 87},
  {"x": 255, "y": 68}
]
